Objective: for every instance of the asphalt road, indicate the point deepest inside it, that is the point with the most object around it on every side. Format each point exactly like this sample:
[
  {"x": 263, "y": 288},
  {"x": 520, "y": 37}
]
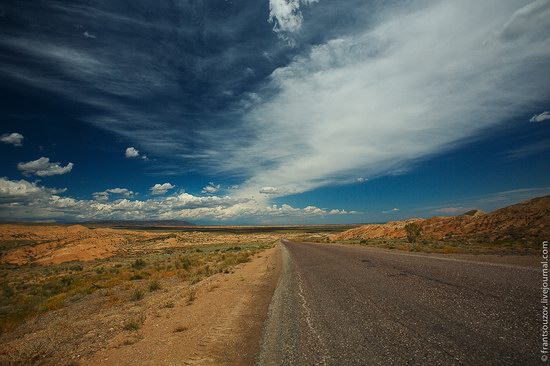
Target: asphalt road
[{"x": 351, "y": 305}]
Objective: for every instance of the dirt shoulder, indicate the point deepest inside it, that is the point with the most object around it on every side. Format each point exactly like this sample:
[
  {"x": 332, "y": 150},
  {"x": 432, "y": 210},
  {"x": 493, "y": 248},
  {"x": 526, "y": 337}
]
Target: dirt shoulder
[{"x": 221, "y": 325}]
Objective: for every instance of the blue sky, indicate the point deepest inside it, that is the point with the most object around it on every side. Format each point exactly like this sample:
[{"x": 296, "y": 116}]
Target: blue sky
[{"x": 273, "y": 111}]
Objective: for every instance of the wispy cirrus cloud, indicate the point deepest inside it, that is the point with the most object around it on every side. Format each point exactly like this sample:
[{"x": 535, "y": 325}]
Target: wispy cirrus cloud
[
  {"x": 371, "y": 100},
  {"x": 527, "y": 150},
  {"x": 488, "y": 202},
  {"x": 378, "y": 101}
]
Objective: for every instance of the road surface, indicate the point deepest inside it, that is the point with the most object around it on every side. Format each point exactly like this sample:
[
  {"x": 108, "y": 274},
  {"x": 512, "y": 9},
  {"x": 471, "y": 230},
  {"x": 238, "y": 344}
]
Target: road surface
[{"x": 351, "y": 305}]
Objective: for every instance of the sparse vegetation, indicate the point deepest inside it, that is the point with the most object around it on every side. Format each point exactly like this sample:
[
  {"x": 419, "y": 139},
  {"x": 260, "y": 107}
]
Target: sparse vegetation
[
  {"x": 168, "y": 305},
  {"x": 115, "y": 284},
  {"x": 447, "y": 246},
  {"x": 154, "y": 285},
  {"x": 26, "y": 291},
  {"x": 137, "y": 295},
  {"x": 133, "y": 324},
  {"x": 139, "y": 264},
  {"x": 191, "y": 295}
]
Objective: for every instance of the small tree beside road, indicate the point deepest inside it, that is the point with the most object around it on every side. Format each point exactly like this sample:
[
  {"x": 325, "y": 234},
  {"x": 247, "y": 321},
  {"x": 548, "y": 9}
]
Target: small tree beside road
[{"x": 414, "y": 231}]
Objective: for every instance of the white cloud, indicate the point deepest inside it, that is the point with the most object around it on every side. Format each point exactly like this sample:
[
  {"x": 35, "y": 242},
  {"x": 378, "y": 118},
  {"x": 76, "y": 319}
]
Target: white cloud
[
  {"x": 532, "y": 15},
  {"x": 527, "y": 150},
  {"x": 89, "y": 35},
  {"x": 342, "y": 212},
  {"x": 211, "y": 188},
  {"x": 26, "y": 200},
  {"x": 271, "y": 190},
  {"x": 131, "y": 152},
  {"x": 101, "y": 196},
  {"x": 390, "y": 211},
  {"x": 105, "y": 195},
  {"x": 379, "y": 101},
  {"x": 43, "y": 168},
  {"x": 17, "y": 189},
  {"x": 544, "y": 116},
  {"x": 452, "y": 210},
  {"x": 161, "y": 189},
  {"x": 286, "y": 17},
  {"x": 12, "y": 138}
]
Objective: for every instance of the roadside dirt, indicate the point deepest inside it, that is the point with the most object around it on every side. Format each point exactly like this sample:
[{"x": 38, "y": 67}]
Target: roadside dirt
[{"x": 222, "y": 326}]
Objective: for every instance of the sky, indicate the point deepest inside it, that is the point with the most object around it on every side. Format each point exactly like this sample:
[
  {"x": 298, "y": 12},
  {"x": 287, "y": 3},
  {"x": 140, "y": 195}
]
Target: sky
[{"x": 271, "y": 111}]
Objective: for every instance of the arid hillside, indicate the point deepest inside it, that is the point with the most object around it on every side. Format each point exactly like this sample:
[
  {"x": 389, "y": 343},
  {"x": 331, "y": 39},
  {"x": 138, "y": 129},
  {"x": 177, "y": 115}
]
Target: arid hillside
[
  {"x": 528, "y": 221},
  {"x": 55, "y": 244}
]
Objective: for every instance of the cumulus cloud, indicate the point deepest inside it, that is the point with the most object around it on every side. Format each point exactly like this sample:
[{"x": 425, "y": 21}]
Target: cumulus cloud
[
  {"x": 14, "y": 190},
  {"x": 24, "y": 200},
  {"x": 544, "y": 116},
  {"x": 211, "y": 188},
  {"x": 43, "y": 168},
  {"x": 14, "y": 138},
  {"x": 379, "y": 101},
  {"x": 131, "y": 152},
  {"x": 286, "y": 17},
  {"x": 105, "y": 195},
  {"x": 161, "y": 189}
]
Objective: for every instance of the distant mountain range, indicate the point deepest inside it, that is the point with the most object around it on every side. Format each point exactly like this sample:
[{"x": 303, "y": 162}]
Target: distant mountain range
[
  {"x": 137, "y": 223},
  {"x": 527, "y": 221}
]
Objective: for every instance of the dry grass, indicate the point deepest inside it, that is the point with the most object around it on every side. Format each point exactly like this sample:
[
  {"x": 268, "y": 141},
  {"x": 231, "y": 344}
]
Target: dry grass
[
  {"x": 154, "y": 286},
  {"x": 30, "y": 290},
  {"x": 100, "y": 298},
  {"x": 191, "y": 295}
]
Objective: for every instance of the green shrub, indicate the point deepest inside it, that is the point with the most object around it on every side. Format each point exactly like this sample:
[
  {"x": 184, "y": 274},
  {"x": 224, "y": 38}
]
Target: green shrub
[
  {"x": 132, "y": 325},
  {"x": 137, "y": 295},
  {"x": 154, "y": 285},
  {"x": 139, "y": 264}
]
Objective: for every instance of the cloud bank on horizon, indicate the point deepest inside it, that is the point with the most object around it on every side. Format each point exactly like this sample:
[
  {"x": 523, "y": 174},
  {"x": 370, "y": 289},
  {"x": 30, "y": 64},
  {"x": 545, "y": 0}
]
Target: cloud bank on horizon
[
  {"x": 24, "y": 199},
  {"x": 383, "y": 87}
]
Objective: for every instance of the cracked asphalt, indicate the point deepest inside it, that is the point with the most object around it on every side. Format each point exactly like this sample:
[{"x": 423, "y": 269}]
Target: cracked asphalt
[{"x": 351, "y": 305}]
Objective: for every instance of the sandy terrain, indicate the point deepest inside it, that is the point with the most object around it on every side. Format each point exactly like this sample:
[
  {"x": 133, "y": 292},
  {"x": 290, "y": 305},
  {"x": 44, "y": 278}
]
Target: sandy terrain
[
  {"x": 222, "y": 327},
  {"x": 217, "y": 320},
  {"x": 58, "y": 244}
]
